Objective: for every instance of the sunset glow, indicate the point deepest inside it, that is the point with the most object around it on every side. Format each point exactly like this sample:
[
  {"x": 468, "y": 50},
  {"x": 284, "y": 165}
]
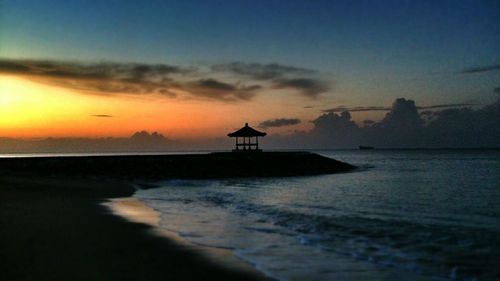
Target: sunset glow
[
  {"x": 34, "y": 110},
  {"x": 271, "y": 140},
  {"x": 325, "y": 78}
]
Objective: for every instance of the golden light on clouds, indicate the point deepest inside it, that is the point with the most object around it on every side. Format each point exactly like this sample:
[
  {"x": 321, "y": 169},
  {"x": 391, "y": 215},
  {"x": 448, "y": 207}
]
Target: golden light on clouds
[
  {"x": 32, "y": 109},
  {"x": 26, "y": 105},
  {"x": 29, "y": 109}
]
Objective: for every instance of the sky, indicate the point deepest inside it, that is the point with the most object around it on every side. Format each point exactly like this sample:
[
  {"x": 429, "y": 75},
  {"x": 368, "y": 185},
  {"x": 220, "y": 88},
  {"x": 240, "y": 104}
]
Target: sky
[{"x": 194, "y": 70}]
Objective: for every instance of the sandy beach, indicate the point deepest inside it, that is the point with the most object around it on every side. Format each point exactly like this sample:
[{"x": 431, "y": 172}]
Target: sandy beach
[
  {"x": 59, "y": 220},
  {"x": 58, "y": 229}
]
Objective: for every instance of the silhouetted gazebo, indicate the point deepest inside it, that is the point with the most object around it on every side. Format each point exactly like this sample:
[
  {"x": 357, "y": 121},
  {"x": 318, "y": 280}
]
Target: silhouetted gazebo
[{"x": 247, "y": 133}]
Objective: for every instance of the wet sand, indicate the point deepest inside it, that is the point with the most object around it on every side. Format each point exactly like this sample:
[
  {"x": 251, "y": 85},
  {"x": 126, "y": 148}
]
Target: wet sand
[
  {"x": 136, "y": 211},
  {"x": 57, "y": 228}
]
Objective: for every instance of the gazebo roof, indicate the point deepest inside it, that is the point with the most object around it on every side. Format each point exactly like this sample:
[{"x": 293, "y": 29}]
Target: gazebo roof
[{"x": 246, "y": 131}]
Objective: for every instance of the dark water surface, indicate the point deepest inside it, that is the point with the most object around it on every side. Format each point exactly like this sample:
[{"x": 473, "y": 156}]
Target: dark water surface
[{"x": 405, "y": 215}]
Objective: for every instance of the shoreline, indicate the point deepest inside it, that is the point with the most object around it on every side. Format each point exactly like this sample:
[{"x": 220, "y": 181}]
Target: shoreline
[
  {"x": 56, "y": 228},
  {"x": 137, "y": 211},
  {"x": 55, "y": 225}
]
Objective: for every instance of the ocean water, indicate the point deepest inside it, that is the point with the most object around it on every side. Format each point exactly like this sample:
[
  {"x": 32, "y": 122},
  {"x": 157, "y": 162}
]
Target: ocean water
[{"x": 403, "y": 215}]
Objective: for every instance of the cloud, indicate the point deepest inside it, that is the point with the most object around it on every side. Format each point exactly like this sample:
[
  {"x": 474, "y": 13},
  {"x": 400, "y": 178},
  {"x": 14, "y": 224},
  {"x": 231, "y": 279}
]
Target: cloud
[
  {"x": 109, "y": 78},
  {"x": 388, "y": 108},
  {"x": 465, "y": 127},
  {"x": 215, "y": 85},
  {"x": 143, "y": 137},
  {"x": 402, "y": 116},
  {"x": 12, "y": 67},
  {"x": 259, "y": 71},
  {"x": 77, "y": 70},
  {"x": 332, "y": 123},
  {"x": 128, "y": 78},
  {"x": 103, "y": 78},
  {"x": 404, "y": 127},
  {"x": 280, "y": 76},
  {"x": 357, "y": 108},
  {"x": 139, "y": 141},
  {"x": 309, "y": 87},
  {"x": 102, "y": 115},
  {"x": 478, "y": 69},
  {"x": 446, "y": 105},
  {"x": 214, "y": 89},
  {"x": 333, "y": 130},
  {"x": 279, "y": 122}
]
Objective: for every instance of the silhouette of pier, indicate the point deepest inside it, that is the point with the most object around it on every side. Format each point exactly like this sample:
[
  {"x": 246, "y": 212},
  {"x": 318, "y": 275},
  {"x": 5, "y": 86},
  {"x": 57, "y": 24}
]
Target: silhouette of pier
[{"x": 194, "y": 166}]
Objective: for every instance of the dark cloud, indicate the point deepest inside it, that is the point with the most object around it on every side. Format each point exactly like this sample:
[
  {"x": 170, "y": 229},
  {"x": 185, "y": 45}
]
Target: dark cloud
[
  {"x": 139, "y": 141},
  {"x": 280, "y": 76},
  {"x": 402, "y": 116},
  {"x": 403, "y": 127},
  {"x": 214, "y": 89},
  {"x": 102, "y": 115},
  {"x": 307, "y": 86},
  {"x": 138, "y": 78},
  {"x": 465, "y": 127},
  {"x": 12, "y": 67},
  {"x": 279, "y": 122},
  {"x": 340, "y": 122},
  {"x": 77, "y": 70},
  {"x": 114, "y": 78},
  {"x": 438, "y": 106},
  {"x": 388, "y": 108},
  {"x": 143, "y": 137},
  {"x": 113, "y": 86},
  {"x": 478, "y": 69},
  {"x": 357, "y": 108},
  {"x": 259, "y": 71},
  {"x": 215, "y": 85},
  {"x": 497, "y": 90},
  {"x": 104, "y": 78},
  {"x": 334, "y": 130}
]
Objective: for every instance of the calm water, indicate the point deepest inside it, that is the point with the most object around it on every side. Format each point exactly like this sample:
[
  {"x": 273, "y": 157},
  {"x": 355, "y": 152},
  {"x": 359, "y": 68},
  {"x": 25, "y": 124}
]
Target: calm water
[{"x": 405, "y": 215}]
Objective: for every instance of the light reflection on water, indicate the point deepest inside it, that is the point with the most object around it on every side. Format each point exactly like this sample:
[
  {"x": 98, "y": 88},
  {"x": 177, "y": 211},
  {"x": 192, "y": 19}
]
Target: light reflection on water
[{"x": 421, "y": 215}]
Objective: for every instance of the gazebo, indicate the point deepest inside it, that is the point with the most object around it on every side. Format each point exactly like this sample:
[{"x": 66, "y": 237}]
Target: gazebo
[{"x": 247, "y": 133}]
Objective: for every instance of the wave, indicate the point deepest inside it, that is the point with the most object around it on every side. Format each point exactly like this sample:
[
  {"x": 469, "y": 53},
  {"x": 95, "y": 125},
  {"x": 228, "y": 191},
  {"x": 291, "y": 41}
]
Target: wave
[{"x": 260, "y": 219}]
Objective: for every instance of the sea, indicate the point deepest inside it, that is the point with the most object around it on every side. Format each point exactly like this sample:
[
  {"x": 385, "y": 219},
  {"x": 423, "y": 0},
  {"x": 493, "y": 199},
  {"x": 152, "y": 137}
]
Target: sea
[{"x": 402, "y": 215}]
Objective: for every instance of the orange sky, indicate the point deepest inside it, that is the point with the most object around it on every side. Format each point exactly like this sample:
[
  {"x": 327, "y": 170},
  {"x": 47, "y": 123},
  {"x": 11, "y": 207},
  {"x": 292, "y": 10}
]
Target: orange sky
[
  {"x": 30, "y": 109},
  {"x": 204, "y": 74}
]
